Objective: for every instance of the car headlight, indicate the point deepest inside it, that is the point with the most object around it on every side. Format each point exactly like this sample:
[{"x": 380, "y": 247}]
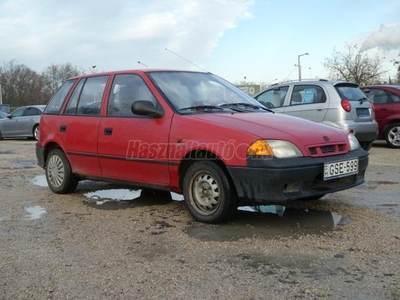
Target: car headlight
[
  {"x": 354, "y": 144},
  {"x": 277, "y": 148}
]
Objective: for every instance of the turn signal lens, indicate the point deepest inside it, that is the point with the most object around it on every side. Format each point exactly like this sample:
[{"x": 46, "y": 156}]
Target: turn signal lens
[{"x": 260, "y": 147}]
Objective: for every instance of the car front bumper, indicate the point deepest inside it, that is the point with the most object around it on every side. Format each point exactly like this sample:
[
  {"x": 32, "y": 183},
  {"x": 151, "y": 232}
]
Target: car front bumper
[{"x": 272, "y": 181}]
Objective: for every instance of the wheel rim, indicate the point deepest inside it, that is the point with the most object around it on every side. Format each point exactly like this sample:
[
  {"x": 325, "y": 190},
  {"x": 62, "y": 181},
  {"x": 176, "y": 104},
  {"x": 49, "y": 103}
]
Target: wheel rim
[
  {"x": 55, "y": 171},
  {"x": 394, "y": 136},
  {"x": 205, "y": 193},
  {"x": 36, "y": 133}
]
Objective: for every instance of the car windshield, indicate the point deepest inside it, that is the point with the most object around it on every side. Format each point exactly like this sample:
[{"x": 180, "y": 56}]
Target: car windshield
[{"x": 202, "y": 92}]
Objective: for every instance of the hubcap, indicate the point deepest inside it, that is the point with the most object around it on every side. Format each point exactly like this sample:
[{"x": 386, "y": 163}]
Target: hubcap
[
  {"x": 55, "y": 171},
  {"x": 36, "y": 133},
  {"x": 394, "y": 136},
  {"x": 206, "y": 193}
]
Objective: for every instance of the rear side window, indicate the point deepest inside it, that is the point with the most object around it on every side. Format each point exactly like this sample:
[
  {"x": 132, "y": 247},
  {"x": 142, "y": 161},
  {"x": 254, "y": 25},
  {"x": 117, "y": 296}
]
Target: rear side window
[
  {"x": 307, "y": 94},
  {"x": 56, "y": 102},
  {"x": 351, "y": 93}
]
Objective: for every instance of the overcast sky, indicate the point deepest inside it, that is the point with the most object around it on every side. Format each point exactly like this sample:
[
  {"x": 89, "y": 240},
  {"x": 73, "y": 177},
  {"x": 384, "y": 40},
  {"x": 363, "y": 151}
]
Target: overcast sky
[{"x": 256, "y": 39}]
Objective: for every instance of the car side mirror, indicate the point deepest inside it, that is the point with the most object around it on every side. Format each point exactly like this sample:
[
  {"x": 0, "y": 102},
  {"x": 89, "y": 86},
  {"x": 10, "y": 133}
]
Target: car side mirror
[
  {"x": 9, "y": 116},
  {"x": 147, "y": 108}
]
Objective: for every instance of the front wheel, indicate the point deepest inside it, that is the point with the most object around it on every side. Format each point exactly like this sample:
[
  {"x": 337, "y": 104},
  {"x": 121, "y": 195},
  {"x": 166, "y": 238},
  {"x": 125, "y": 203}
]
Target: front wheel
[
  {"x": 392, "y": 135},
  {"x": 208, "y": 192},
  {"x": 58, "y": 173}
]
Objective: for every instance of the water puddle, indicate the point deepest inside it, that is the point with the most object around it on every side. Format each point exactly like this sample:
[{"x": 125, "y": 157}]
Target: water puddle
[
  {"x": 39, "y": 180},
  {"x": 7, "y": 152},
  {"x": 113, "y": 199},
  {"x": 35, "y": 212},
  {"x": 268, "y": 222},
  {"x": 25, "y": 164}
]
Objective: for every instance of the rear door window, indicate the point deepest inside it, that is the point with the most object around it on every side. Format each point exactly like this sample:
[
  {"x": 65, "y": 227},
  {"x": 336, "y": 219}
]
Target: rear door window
[
  {"x": 307, "y": 94},
  {"x": 90, "y": 98},
  {"x": 32, "y": 111}
]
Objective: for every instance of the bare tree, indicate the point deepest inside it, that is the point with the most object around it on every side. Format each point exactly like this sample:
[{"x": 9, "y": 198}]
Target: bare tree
[
  {"x": 55, "y": 75},
  {"x": 355, "y": 66},
  {"x": 21, "y": 85}
]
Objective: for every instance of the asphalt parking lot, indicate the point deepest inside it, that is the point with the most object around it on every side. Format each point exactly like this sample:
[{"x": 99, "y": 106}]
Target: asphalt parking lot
[{"x": 111, "y": 242}]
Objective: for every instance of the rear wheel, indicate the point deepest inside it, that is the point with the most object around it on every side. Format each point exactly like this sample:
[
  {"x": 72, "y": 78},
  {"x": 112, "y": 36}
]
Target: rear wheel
[
  {"x": 58, "y": 173},
  {"x": 392, "y": 135},
  {"x": 36, "y": 132},
  {"x": 209, "y": 195}
]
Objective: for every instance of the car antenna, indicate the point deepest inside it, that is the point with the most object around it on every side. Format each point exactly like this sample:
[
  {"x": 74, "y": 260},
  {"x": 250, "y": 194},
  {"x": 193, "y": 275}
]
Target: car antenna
[{"x": 186, "y": 60}]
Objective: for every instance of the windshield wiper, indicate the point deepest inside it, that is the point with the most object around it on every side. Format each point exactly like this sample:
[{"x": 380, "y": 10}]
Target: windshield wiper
[
  {"x": 236, "y": 104},
  {"x": 201, "y": 107}
]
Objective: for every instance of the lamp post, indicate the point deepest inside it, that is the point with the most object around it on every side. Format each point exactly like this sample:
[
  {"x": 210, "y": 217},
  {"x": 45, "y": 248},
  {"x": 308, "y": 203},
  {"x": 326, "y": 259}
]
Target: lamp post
[
  {"x": 139, "y": 62},
  {"x": 299, "y": 65}
]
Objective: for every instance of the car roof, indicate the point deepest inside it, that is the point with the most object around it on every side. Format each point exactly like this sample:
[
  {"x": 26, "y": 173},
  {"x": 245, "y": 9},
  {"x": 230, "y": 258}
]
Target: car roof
[
  {"x": 319, "y": 81},
  {"x": 381, "y": 86},
  {"x": 136, "y": 71}
]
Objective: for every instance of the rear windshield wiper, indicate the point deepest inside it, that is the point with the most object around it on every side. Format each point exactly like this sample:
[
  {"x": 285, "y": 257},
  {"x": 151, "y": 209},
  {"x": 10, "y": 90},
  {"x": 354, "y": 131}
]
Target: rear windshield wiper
[
  {"x": 201, "y": 107},
  {"x": 238, "y": 104},
  {"x": 361, "y": 100}
]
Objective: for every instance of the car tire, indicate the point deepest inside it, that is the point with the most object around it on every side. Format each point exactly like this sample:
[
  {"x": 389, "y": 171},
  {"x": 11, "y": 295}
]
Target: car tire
[
  {"x": 58, "y": 173},
  {"x": 392, "y": 135},
  {"x": 209, "y": 194},
  {"x": 313, "y": 198},
  {"x": 1, "y": 137},
  {"x": 366, "y": 145},
  {"x": 35, "y": 132}
]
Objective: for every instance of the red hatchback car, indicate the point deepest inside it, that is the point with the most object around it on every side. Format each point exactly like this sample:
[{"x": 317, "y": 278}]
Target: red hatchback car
[
  {"x": 386, "y": 99},
  {"x": 192, "y": 133}
]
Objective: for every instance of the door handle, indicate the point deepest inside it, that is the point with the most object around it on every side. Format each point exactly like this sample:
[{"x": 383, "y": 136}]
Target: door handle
[
  {"x": 108, "y": 131},
  {"x": 63, "y": 128}
]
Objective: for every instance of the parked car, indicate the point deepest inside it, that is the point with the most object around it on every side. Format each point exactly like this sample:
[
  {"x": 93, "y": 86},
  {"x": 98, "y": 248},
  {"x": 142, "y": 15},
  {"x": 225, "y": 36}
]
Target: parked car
[
  {"x": 336, "y": 103},
  {"x": 191, "y": 133},
  {"x": 386, "y": 99},
  {"x": 22, "y": 122}
]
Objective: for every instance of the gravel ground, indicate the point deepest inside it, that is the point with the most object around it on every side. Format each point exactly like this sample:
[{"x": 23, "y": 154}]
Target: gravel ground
[{"x": 67, "y": 247}]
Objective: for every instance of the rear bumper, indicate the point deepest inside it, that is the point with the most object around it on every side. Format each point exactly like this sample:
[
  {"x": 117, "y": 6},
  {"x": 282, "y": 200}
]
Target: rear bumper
[
  {"x": 40, "y": 155},
  {"x": 280, "y": 180},
  {"x": 363, "y": 131}
]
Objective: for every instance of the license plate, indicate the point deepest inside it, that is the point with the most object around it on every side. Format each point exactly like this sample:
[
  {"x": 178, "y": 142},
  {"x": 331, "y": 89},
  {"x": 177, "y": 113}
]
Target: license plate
[
  {"x": 362, "y": 112},
  {"x": 340, "y": 169}
]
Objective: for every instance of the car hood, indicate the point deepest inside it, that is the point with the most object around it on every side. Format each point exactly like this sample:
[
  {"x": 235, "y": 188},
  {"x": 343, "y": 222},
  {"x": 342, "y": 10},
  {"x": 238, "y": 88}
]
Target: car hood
[{"x": 278, "y": 126}]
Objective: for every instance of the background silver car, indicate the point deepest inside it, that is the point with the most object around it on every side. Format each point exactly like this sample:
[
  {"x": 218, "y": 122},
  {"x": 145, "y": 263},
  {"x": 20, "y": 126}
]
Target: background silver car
[
  {"x": 3, "y": 115},
  {"x": 335, "y": 103},
  {"x": 22, "y": 122}
]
